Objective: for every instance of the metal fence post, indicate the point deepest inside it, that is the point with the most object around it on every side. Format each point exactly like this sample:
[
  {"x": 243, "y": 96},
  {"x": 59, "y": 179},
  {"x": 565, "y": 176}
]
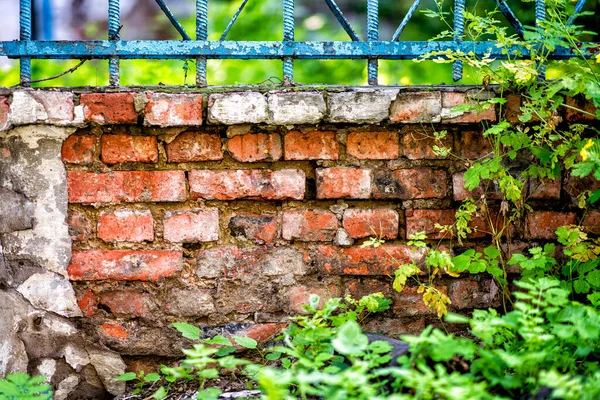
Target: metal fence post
[
  {"x": 372, "y": 36},
  {"x": 540, "y": 15},
  {"x": 25, "y": 35},
  {"x": 459, "y": 29},
  {"x": 201, "y": 34},
  {"x": 288, "y": 36},
  {"x": 114, "y": 26}
]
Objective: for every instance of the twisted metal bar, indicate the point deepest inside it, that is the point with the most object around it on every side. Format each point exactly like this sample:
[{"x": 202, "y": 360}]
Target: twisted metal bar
[
  {"x": 459, "y": 29},
  {"x": 511, "y": 17},
  {"x": 165, "y": 9},
  {"x": 407, "y": 17},
  {"x": 201, "y": 34},
  {"x": 342, "y": 20},
  {"x": 233, "y": 19},
  {"x": 288, "y": 36},
  {"x": 578, "y": 8},
  {"x": 540, "y": 15},
  {"x": 25, "y": 35},
  {"x": 373, "y": 36},
  {"x": 114, "y": 22}
]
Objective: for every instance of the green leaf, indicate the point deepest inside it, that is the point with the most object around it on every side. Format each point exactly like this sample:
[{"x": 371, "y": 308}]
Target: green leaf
[
  {"x": 491, "y": 252},
  {"x": 225, "y": 351},
  {"x": 273, "y": 356},
  {"x": 581, "y": 286},
  {"x": 187, "y": 330},
  {"x": 350, "y": 339},
  {"x": 160, "y": 394},
  {"x": 593, "y": 278},
  {"x": 218, "y": 340},
  {"x": 594, "y": 197},
  {"x": 129, "y": 376},
  {"x": 453, "y": 318},
  {"x": 153, "y": 377},
  {"x": 246, "y": 342}
]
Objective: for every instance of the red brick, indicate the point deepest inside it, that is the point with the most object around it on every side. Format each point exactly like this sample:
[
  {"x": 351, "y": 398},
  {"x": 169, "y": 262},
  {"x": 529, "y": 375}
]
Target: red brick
[
  {"x": 241, "y": 262},
  {"x": 474, "y": 145},
  {"x": 364, "y": 223},
  {"x": 309, "y": 226},
  {"x": 146, "y": 365},
  {"x": 285, "y": 184},
  {"x": 114, "y": 331},
  {"x": 257, "y": 228},
  {"x": 373, "y": 145},
  {"x": 191, "y": 226},
  {"x": 418, "y": 144},
  {"x": 512, "y": 108},
  {"x": 299, "y": 296},
  {"x": 87, "y": 302},
  {"x": 262, "y": 332},
  {"x": 574, "y": 115},
  {"x": 416, "y": 107},
  {"x": 80, "y": 227},
  {"x": 395, "y": 327},
  {"x": 195, "y": 146},
  {"x": 78, "y": 149},
  {"x": 358, "y": 288},
  {"x": 548, "y": 189},
  {"x": 407, "y": 184},
  {"x": 383, "y": 260},
  {"x": 409, "y": 302},
  {"x": 255, "y": 147},
  {"x": 129, "y": 303},
  {"x": 168, "y": 109},
  {"x": 460, "y": 192},
  {"x": 469, "y": 294},
  {"x": 591, "y": 221},
  {"x": 4, "y": 112},
  {"x": 126, "y": 148},
  {"x": 543, "y": 224},
  {"x": 310, "y": 146},
  {"x": 453, "y": 99},
  {"x": 126, "y": 186},
  {"x": 337, "y": 183},
  {"x": 425, "y": 220},
  {"x": 109, "y": 108},
  {"x": 124, "y": 265},
  {"x": 575, "y": 185},
  {"x": 125, "y": 226}
]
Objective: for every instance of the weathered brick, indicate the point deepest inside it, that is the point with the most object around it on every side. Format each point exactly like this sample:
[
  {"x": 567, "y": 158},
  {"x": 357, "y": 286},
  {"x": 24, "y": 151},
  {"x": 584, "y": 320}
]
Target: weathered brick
[
  {"x": 109, "y": 108},
  {"x": 129, "y": 303},
  {"x": 383, "y": 260},
  {"x": 4, "y": 113},
  {"x": 170, "y": 109},
  {"x": 548, "y": 189},
  {"x": 409, "y": 184},
  {"x": 460, "y": 192},
  {"x": 126, "y": 148},
  {"x": 236, "y": 262},
  {"x": 254, "y": 147},
  {"x": 78, "y": 149},
  {"x": 425, "y": 220},
  {"x": 298, "y": 296},
  {"x": 418, "y": 144},
  {"x": 124, "y": 265},
  {"x": 573, "y": 113},
  {"x": 258, "y": 228},
  {"x": 310, "y": 146},
  {"x": 474, "y": 145},
  {"x": 409, "y": 302},
  {"x": 382, "y": 223},
  {"x": 284, "y": 184},
  {"x": 362, "y": 106},
  {"x": 512, "y": 108},
  {"x": 373, "y": 145},
  {"x": 591, "y": 221},
  {"x": 453, "y": 99},
  {"x": 575, "y": 185},
  {"x": 189, "y": 302},
  {"x": 41, "y": 106},
  {"x": 339, "y": 182},
  {"x": 80, "y": 227},
  {"x": 262, "y": 332},
  {"x": 237, "y": 108},
  {"x": 395, "y": 327},
  {"x": 195, "y": 146},
  {"x": 115, "y": 331},
  {"x": 358, "y": 288},
  {"x": 191, "y": 226},
  {"x": 309, "y": 226},
  {"x": 543, "y": 224},
  {"x": 416, "y": 107},
  {"x": 296, "y": 108},
  {"x": 126, "y": 226},
  {"x": 126, "y": 186},
  {"x": 87, "y": 302},
  {"x": 470, "y": 294}
]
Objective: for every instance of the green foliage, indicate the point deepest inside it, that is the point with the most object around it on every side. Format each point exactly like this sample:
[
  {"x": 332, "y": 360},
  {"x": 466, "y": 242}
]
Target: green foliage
[{"x": 19, "y": 386}]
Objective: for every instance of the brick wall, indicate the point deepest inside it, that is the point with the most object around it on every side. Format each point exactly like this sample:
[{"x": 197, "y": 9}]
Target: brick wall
[{"x": 228, "y": 210}]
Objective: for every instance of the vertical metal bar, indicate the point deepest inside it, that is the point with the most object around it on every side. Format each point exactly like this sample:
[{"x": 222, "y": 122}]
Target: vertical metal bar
[
  {"x": 201, "y": 34},
  {"x": 25, "y": 35},
  {"x": 459, "y": 30},
  {"x": 288, "y": 36},
  {"x": 372, "y": 36},
  {"x": 114, "y": 23},
  {"x": 540, "y": 15}
]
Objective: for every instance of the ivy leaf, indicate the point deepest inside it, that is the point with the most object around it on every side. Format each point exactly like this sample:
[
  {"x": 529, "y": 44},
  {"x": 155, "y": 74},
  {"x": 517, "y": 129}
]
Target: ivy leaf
[
  {"x": 246, "y": 342},
  {"x": 581, "y": 286},
  {"x": 187, "y": 330},
  {"x": 593, "y": 278}
]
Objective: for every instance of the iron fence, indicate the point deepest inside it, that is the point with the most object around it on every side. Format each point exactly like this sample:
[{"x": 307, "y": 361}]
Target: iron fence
[{"x": 372, "y": 49}]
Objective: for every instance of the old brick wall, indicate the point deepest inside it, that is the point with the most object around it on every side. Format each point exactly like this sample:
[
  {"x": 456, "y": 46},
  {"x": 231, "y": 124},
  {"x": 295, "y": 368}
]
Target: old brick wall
[{"x": 229, "y": 209}]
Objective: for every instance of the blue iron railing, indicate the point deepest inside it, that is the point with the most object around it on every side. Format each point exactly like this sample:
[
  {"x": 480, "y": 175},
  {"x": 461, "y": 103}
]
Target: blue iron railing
[{"x": 372, "y": 49}]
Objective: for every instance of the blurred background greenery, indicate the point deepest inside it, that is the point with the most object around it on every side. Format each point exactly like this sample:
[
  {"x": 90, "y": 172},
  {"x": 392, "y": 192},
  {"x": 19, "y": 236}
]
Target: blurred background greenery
[{"x": 262, "y": 20}]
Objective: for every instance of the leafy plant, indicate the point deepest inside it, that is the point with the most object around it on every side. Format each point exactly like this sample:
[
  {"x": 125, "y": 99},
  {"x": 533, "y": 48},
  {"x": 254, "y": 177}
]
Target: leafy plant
[{"x": 19, "y": 386}]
